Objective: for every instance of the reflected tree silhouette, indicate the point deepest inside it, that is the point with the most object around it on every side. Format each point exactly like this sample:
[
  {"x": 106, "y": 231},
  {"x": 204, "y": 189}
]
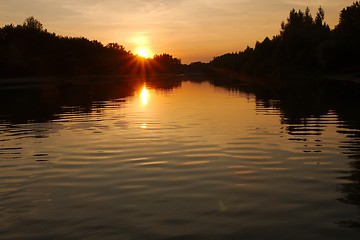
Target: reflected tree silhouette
[
  {"x": 350, "y": 116},
  {"x": 351, "y": 189},
  {"x": 301, "y": 110},
  {"x": 45, "y": 102}
]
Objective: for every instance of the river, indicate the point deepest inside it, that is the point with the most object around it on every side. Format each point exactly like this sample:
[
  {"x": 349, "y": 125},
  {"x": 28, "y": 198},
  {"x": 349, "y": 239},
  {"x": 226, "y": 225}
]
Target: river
[{"x": 177, "y": 159}]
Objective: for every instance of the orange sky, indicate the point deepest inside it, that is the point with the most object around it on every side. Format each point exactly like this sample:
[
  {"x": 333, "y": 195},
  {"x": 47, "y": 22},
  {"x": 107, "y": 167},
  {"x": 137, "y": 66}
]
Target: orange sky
[{"x": 192, "y": 30}]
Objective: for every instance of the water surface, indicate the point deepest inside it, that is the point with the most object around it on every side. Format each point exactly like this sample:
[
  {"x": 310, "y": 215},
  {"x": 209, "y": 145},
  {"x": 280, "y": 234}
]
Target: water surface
[{"x": 176, "y": 160}]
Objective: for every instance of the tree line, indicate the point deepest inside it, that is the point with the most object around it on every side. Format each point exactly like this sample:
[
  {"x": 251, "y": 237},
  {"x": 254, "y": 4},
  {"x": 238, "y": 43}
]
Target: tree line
[
  {"x": 30, "y": 50},
  {"x": 305, "y": 44}
]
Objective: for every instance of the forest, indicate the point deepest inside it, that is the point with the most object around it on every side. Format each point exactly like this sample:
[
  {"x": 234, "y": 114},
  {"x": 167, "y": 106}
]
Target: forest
[
  {"x": 30, "y": 50},
  {"x": 305, "y": 46}
]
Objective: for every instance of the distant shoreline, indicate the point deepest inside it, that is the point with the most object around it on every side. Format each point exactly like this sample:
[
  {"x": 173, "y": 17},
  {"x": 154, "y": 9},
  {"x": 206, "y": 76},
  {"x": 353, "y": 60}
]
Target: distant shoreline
[{"x": 43, "y": 81}]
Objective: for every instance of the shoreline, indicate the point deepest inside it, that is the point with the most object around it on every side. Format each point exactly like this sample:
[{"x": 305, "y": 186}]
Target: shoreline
[
  {"x": 40, "y": 81},
  {"x": 281, "y": 82}
]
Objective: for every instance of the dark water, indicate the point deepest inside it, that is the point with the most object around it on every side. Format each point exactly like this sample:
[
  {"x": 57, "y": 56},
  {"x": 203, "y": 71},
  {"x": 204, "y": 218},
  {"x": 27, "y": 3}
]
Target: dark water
[{"x": 178, "y": 160}]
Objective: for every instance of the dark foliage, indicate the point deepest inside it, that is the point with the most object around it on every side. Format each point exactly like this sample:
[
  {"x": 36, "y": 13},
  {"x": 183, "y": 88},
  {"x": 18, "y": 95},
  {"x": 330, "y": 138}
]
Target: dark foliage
[
  {"x": 342, "y": 50},
  {"x": 30, "y": 50},
  {"x": 196, "y": 67},
  {"x": 165, "y": 63},
  {"x": 304, "y": 45}
]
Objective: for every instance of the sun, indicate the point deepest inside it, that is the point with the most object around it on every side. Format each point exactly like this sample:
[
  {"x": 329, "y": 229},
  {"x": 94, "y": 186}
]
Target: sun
[{"x": 144, "y": 52}]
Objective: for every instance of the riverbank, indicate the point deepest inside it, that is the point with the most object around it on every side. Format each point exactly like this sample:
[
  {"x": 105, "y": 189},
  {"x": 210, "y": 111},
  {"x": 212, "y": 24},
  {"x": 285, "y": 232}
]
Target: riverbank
[
  {"x": 289, "y": 79},
  {"x": 41, "y": 81},
  {"x": 352, "y": 79}
]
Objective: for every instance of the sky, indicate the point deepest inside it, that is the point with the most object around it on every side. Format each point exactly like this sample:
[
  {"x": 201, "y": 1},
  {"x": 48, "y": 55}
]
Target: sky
[{"x": 192, "y": 30}]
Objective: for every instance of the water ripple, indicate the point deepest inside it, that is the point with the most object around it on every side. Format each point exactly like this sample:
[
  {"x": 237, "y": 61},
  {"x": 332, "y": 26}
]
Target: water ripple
[{"x": 213, "y": 166}]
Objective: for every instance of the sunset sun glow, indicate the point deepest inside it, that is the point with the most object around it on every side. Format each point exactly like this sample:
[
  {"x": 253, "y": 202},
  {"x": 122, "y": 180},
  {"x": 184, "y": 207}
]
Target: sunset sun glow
[{"x": 144, "y": 52}]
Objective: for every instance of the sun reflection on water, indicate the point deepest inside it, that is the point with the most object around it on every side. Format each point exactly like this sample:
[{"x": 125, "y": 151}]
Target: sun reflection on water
[{"x": 144, "y": 95}]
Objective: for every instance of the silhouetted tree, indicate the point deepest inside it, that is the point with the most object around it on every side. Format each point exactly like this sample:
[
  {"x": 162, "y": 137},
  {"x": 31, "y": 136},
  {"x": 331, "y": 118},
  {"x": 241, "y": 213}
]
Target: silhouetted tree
[
  {"x": 196, "y": 67},
  {"x": 349, "y": 22},
  {"x": 29, "y": 50},
  {"x": 294, "y": 49},
  {"x": 341, "y": 51},
  {"x": 33, "y": 23},
  {"x": 165, "y": 63},
  {"x": 320, "y": 16},
  {"x": 116, "y": 46}
]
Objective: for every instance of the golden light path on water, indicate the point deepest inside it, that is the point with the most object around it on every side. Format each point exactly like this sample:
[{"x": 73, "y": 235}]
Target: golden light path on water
[
  {"x": 144, "y": 95},
  {"x": 144, "y": 100}
]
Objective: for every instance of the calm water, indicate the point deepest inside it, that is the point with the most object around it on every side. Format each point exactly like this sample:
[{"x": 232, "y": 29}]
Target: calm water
[{"x": 178, "y": 160}]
